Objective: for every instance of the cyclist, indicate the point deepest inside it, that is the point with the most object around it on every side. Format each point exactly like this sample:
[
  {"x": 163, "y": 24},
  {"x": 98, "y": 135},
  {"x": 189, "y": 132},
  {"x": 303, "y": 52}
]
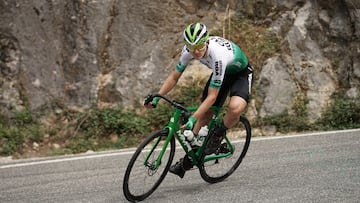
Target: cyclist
[{"x": 231, "y": 72}]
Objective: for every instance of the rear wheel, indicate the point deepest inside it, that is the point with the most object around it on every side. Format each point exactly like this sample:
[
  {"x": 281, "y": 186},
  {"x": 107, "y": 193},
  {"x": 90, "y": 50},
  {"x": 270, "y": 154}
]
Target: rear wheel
[
  {"x": 220, "y": 165},
  {"x": 142, "y": 177}
]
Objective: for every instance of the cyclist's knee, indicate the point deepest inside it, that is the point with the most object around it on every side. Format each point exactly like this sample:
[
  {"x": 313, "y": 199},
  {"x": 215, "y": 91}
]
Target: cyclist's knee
[{"x": 236, "y": 106}]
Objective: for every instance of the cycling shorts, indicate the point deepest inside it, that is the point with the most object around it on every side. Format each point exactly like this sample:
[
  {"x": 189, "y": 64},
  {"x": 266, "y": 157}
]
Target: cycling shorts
[{"x": 238, "y": 84}]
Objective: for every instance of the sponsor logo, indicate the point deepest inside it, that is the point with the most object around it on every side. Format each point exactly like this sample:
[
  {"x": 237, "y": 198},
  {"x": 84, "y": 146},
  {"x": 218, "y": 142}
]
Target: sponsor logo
[
  {"x": 218, "y": 68},
  {"x": 183, "y": 140},
  {"x": 217, "y": 82},
  {"x": 224, "y": 43}
]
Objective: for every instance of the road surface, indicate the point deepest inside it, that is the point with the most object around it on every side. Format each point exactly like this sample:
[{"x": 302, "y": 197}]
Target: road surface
[{"x": 318, "y": 167}]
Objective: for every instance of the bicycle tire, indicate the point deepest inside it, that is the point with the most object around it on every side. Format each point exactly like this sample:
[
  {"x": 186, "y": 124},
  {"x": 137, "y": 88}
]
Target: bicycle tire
[
  {"x": 140, "y": 180},
  {"x": 214, "y": 171}
]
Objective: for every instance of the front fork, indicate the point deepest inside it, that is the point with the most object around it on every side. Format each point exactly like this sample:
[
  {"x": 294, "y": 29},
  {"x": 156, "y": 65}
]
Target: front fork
[{"x": 156, "y": 164}]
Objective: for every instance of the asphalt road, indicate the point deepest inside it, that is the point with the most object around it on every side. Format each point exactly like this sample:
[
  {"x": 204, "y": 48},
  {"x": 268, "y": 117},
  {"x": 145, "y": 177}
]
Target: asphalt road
[{"x": 320, "y": 167}]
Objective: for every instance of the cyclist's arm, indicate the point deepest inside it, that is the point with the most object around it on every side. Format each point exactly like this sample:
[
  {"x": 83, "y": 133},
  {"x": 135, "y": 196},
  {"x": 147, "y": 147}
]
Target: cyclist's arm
[
  {"x": 170, "y": 82},
  {"x": 174, "y": 76},
  {"x": 207, "y": 103}
]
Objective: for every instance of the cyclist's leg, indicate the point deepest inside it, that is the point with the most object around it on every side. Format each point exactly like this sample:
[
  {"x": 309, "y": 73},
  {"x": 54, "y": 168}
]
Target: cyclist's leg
[
  {"x": 185, "y": 163},
  {"x": 206, "y": 118},
  {"x": 202, "y": 121},
  {"x": 239, "y": 97},
  {"x": 219, "y": 102},
  {"x": 219, "y": 131},
  {"x": 236, "y": 106}
]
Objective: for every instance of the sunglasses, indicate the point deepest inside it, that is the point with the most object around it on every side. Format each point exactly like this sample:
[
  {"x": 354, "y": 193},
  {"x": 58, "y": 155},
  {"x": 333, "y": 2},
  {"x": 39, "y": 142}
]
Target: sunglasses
[{"x": 199, "y": 47}]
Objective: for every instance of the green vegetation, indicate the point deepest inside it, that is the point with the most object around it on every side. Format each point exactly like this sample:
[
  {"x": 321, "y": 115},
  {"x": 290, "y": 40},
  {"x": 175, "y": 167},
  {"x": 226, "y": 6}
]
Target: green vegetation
[
  {"x": 285, "y": 123},
  {"x": 96, "y": 129},
  {"x": 108, "y": 128},
  {"x": 17, "y": 130},
  {"x": 297, "y": 121},
  {"x": 113, "y": 128},
  {"x": 342, "y": 113},
  {"x": 11, "y": 140}
]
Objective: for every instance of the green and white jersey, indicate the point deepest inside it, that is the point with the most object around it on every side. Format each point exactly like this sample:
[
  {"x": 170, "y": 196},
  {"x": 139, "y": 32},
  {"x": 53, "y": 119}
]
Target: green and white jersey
[{"x": 223, "y": 56}]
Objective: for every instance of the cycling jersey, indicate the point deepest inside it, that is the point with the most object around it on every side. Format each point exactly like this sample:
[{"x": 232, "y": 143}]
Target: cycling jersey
[{"x": 223, "y": 56}]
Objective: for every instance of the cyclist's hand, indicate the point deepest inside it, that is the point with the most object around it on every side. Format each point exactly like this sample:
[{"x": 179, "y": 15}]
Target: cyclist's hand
[
  {"x": 151, "y": 103},
  {"x": 190, "y": 123}
]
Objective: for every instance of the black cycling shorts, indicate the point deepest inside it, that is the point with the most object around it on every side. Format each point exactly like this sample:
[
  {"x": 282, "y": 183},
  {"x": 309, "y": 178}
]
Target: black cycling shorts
[{"x": 237, "y": 84}]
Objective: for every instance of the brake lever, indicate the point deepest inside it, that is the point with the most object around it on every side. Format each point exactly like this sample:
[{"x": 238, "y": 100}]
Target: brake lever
[{"x": 148, "y": 99}]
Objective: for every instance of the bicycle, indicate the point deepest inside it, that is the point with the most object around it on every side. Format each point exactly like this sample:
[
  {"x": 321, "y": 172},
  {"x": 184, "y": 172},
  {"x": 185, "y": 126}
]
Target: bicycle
[{"x": 154, "y": 156}]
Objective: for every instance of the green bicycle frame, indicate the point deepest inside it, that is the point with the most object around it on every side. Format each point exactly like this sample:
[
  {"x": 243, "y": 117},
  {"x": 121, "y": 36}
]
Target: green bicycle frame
[
  {"x": 214, "y": 120},
  {"x": 174, "y": 129}
]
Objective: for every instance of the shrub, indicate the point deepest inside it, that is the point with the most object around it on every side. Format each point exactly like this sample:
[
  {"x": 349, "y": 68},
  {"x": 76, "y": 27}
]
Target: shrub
[
  {"x": 16, "y": 131},
  {"x": 286, "y": 123},
  {"x": 342, "y": 113},
  {"x": 22, "y": 118},
  {"x": 103, "y": 122},
  {"x": 97, "y": 125},
  {"x": 11, "y": 140}
]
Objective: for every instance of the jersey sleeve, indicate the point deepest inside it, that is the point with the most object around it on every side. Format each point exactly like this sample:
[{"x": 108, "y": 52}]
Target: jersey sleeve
[
  {"x": 184, "y": 60},
  {"x": 218, "y": 74},
  {"x": 240, "y": 61}
]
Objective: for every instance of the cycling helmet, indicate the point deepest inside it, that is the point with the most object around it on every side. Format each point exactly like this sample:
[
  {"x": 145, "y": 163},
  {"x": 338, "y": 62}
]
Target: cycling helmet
[{"x": 195, "y": 34}]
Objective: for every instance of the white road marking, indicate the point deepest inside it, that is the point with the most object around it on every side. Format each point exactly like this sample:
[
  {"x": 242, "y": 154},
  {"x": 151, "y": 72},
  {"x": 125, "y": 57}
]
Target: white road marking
[
  {"x": 305, "y": 135},
  {"x": 38, "y": 161}
]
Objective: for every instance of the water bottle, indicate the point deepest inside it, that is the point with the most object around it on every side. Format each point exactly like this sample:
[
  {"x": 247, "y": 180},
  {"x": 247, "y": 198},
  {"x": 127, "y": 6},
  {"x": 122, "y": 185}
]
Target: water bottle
[
  {"x": 190, "y": 138},
  {"x": 204, "y": 131},
  {"x": 189, "y": 135},
  {"x": 201, "y": 136},
  {"x": 185, "y": 136}
]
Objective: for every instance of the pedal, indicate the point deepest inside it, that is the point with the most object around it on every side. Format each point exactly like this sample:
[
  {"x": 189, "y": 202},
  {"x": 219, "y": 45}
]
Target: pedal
[{"x": 224, "y": 148}]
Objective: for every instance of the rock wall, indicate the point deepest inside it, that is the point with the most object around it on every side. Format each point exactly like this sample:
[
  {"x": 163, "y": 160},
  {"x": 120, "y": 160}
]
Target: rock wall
[
  {"x": 82, "y": 53},
  {"x": 87, "y": 52},
  {"x": 321, "y": 52}
]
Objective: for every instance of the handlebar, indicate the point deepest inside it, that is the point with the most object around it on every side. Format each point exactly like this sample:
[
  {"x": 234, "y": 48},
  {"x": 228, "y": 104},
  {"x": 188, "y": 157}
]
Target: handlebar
[{"x": 173, "y": 103}]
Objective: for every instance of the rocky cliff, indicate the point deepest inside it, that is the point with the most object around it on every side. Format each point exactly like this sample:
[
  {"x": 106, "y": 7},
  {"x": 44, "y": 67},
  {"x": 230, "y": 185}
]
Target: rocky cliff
[
  {"x": 321, "y": 56},
  {"x": 83, "y": 53}
]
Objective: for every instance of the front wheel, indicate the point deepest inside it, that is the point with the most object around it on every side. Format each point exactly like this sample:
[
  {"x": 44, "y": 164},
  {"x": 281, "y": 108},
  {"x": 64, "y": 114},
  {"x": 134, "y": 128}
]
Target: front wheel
[
  {"x": 216, "y": 167},
  {"x": 142, "y": 175}
]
